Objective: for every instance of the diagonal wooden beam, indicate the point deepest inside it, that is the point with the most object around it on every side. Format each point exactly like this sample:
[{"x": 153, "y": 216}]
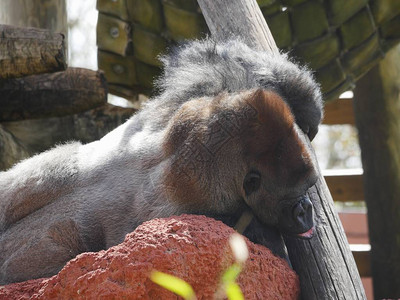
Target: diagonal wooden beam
[{"x": 325, "y": 264}]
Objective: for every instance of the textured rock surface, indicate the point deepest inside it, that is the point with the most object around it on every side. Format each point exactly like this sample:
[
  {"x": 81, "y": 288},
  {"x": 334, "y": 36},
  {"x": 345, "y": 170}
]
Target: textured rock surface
[{"x": 194, "y": 248}]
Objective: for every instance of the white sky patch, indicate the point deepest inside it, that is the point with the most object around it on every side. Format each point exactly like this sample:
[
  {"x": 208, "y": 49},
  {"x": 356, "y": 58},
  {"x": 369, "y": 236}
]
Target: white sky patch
[{"x": 82, "y": 21}]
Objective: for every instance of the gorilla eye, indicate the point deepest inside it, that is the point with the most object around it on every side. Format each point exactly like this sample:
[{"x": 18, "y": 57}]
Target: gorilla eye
[{"x": 251, "y": 182}]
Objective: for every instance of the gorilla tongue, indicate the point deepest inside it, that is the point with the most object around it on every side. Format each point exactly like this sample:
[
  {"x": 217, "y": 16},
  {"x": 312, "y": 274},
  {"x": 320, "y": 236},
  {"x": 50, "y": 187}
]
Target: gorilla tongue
[{"x": 308, "y": 234}]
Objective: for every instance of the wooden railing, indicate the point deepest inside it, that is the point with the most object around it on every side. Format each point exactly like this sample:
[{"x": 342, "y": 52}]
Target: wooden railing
[{"x": 347, "y": 185}]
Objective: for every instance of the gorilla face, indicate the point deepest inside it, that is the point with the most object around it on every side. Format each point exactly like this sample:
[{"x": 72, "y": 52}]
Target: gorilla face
[
  {"x": 280, "y": 168},
  {"x": 294, "y": 216},
  {"x": 242, "y": 149}
]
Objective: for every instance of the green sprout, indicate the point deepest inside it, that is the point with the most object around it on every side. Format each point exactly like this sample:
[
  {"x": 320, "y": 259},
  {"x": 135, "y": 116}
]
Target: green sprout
[
  {"x": 228, "y": 279},
  {"x": 232, "y": 289},
  {"x": 173, "y": 284}
]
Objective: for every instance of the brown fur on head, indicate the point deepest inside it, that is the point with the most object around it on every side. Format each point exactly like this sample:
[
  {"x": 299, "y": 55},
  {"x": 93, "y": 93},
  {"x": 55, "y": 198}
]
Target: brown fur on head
[{"x": 212, "y": 143}]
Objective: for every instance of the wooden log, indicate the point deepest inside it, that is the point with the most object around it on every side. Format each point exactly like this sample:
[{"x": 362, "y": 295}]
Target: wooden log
[
  {"x": 52, "y": 95},
  {"x": 325, "y": 264},
  {"x": 376, "y": 104},
  {"x": 41, "y": 134},
  {"x": 11, "y": 149},
  {"x": 249, "y": 24},
  {"x": 26, "y": 51},
  {"x": 339, "y": 111}
]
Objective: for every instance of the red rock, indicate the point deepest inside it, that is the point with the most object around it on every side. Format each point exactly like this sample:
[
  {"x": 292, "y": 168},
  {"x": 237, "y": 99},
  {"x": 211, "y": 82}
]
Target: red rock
[
  {"x": 21, "y": 291},
  {"x": 193, "y": 248}
]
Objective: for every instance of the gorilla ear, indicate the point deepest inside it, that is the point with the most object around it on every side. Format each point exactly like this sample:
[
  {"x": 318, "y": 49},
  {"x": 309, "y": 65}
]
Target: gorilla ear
[
  {"x": 308, "y": 121},
  {"x": 271, "y": 108}
]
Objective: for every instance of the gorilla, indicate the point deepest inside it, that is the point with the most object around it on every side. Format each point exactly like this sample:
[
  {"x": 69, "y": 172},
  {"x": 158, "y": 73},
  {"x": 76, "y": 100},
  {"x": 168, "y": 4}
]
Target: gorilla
[{"x": 226, "y": 133}]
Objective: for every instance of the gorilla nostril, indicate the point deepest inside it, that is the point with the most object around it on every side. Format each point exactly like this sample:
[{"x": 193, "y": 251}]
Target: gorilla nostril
[
  {"x": 298, "y": 211},
  {"x": 302, "y": 209},
  {"x": 298, "y": 218}
]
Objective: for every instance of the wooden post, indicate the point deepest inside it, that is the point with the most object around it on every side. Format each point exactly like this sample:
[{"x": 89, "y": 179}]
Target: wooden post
[
  {"x": 325, "y": 265},
  {"x": 223, "y": 21},
  {"x": 46, "y": 14},
  {"x": 376, "y": 105}
]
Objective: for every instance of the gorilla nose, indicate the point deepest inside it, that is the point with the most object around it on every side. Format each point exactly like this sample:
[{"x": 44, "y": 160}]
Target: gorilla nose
[
  {"x": 298, "y": 219},
  {"x": 302, "y": 216},
  {"x": 302, "y": 210}
]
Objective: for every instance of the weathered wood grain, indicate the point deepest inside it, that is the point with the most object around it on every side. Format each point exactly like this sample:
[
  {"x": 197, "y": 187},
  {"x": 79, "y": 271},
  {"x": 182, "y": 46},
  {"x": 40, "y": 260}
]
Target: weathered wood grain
[
  {"x": 26, "y": 51},
  {"x": 50, "y": 95},
  {"x": 325, "y": 264},
  {"x": 41, "y": 134},
  {"x": 239, "y": 18},
  {"x": 46, "y": 14}
]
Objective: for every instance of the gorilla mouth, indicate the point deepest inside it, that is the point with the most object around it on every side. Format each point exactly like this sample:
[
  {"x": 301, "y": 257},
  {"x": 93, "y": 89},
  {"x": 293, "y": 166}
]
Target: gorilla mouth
[
  {"x": 247, "y": 216},
  {"x": 247, "y": 223},
  {"x": 306, "y": 235},
  {"x": 297, "y": 220}
]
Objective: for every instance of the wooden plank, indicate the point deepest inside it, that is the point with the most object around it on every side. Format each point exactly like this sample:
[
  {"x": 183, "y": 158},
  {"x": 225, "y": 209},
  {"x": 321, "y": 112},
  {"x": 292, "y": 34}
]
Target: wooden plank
[
  {"x": 339, "y": 112},
  {"x": 114, "y": 35},
  {"x": 345, "y": 187},
  {"x": 116, "y": 8},
  {"x": 52, "y": 95},
  {"x": 27, "y": 51},
  {"x": 118, "y": 70},
  {"x": 355, "y": 225},
  {"x": 325, "y": 265},
  {"x": 363, "y": 260}
]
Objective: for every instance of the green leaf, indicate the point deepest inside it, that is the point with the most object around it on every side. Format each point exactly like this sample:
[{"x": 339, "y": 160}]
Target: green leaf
[
  {"x": 233, "y": 291},
  {"x": 173, "y": 284}
]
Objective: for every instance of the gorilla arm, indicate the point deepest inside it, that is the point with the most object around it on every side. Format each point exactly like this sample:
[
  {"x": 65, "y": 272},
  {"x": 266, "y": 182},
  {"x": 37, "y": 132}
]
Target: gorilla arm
[{"x": 36, "y": 182}]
